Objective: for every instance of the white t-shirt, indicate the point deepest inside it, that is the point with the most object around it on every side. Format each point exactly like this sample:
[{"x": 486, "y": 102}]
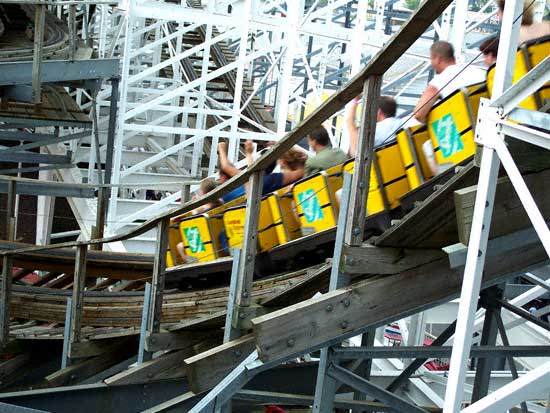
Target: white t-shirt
[
  {"x": 385, "y": 130},
  {"x": 456, "y": 76}
]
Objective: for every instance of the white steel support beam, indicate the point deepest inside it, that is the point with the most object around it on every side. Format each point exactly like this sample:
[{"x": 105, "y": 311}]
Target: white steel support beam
[
  {"x": 481, "y": 222},
  {"x": 200, "y": 122},
  {"x": 243, "y": 47},
  {"x": 119, "y": 137},
  {"x": 512, "y": 394},
  {"x": 459, "y": 27},
  {"x": 294, "y": 12}
]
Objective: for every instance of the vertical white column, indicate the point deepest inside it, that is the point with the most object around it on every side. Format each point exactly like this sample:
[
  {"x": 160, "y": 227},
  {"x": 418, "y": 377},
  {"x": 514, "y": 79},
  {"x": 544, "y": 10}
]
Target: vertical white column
[
  {"x": 103, "y": 29},
  {"x": 294, "y": 12},
  {"x": 44, "y": 212},
  {"x": 201, "y": 104},
  {"x": 481, "y": 221},
  {"x": 246, "y": 16},
  {"x": 379, "y": 22},
  {"x": 459, "y": 27},
  {"x": 119, "y": 136}
]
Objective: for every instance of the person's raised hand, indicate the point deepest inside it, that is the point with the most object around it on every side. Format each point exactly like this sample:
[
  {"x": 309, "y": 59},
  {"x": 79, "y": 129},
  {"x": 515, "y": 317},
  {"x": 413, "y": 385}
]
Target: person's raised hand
[
  {"x": 222, "y": 147},
  {"x": 249, "y": 146}
]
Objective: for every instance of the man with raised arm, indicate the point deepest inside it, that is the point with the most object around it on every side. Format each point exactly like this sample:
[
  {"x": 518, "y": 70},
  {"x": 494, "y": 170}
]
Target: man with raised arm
[
  {"x": 449, "y": 77},
  {"x": 386, "y": 123}
]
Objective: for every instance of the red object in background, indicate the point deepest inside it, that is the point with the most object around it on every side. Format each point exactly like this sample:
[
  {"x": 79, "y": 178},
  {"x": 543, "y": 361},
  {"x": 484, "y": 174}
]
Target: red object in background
[{"x": 274, "y": 409}]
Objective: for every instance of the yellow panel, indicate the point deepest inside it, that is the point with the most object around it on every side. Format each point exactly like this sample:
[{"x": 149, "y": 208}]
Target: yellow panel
[
  {"x": 289, "y": 215},
  {"x": 314, "y": 203},
  {"x": 450, "y": 129},
  {"x": 169, "y": 262},
  {"x": 335, "y": 182},
  {"x": 419, "y": 135},
  {"x": 375, "y": 202},
  {"x": 475, "y": 93},
  {"x": 174, "y": 238},
  {"x": 406, "y": 152},
  {"x": 520, "y": 69},
  {"x": 537, "y": 51},
  {"x": 392, "y": 170},
  {"x": 233, "y": 220},
  {"x": 267, "y": 226},
  {"x": 197, "y": 239}
]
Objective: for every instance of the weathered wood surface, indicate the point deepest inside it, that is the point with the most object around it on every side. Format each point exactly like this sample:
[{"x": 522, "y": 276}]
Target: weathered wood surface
[
  {"x": 206, "y": 369},
  {"x": 508, "y": 213},
  {"x": 433, "y": 223},
  {"x": 79, "y": 371},
  {"x": 124, "y": 309},
  {"x": 99, "y": 263},
  {"x": 369, "y": 259},
  {"x": 160, "y": 367},
  {"x": 344, "y": 313}
]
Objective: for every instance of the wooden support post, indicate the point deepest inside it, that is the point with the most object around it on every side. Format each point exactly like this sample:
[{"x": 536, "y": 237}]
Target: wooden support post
[
  {"x": 230, "y": 332},
  {"x": 351, "y": 225},
  {"x": 325, "y": 386},
  {"x": 245, "y": 271},
  {"x": 365, "y": 151},
  {"x": 7, "y": 267},
  {"x": 39, "y": 23},
  {"x": 159, "y": 269},
  {"x": 77, "y": 305}
]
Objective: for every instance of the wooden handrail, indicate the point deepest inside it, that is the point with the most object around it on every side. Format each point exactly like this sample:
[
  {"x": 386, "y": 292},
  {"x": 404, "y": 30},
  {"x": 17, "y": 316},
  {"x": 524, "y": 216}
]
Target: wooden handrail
[{"x": 418, "y": 23}]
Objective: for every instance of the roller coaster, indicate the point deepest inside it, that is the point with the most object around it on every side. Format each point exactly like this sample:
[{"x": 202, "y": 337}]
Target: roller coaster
[{"x": 182, "y": 307}]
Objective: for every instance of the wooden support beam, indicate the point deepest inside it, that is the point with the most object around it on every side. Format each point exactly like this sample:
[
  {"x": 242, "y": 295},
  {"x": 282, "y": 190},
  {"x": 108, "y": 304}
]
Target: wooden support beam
[
  {"x": 158, "y": 276},
  {"x": 39, "y": 25},
  {"x": 77, "y": 306},
  {"x": 369, "y": 259},
  {"x": 174, "y": 341},
  {"x": 245, "y": 269},
  {"x": 92, "y": 348},
  {"x": 153, "y": 369},
  {"x": 81, "y": 370},
  {"x": 343, "y": 313},
  {"x": 207, "y": 369},
  {"x": 359, "y": 193},
  {"x": 508, "y": 213}
]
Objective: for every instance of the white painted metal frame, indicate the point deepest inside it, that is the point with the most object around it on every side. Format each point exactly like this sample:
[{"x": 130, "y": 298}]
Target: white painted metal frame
[{"x": 495, "y": 152}]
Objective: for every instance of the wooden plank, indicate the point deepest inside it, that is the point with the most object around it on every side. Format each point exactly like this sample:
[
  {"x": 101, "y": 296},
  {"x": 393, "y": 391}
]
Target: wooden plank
[
  {"x": 79, "y": 371},
  {"x": 508, "y": 213},
  {"x": 87, "y": 348},
  {"x": 343, "y": 313},
  {"x": 369, "y": 259},
  {"x": 355, "y": 224},
  {"x": 207, "y": 369},
  {"x": 153, "y": 369},
  {"x": 433, "y": 223},
  {"x": 174, "y": 341},
  {"x": 316, "y": 280}
]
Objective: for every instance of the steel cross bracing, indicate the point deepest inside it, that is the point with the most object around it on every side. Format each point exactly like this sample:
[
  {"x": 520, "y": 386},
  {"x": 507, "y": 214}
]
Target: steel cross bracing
[{"x": 173, "y": 97}]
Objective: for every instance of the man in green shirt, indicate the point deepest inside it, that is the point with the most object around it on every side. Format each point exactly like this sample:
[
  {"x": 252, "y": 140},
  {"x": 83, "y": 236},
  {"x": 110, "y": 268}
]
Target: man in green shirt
[{"x": 326, "y": 156}]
